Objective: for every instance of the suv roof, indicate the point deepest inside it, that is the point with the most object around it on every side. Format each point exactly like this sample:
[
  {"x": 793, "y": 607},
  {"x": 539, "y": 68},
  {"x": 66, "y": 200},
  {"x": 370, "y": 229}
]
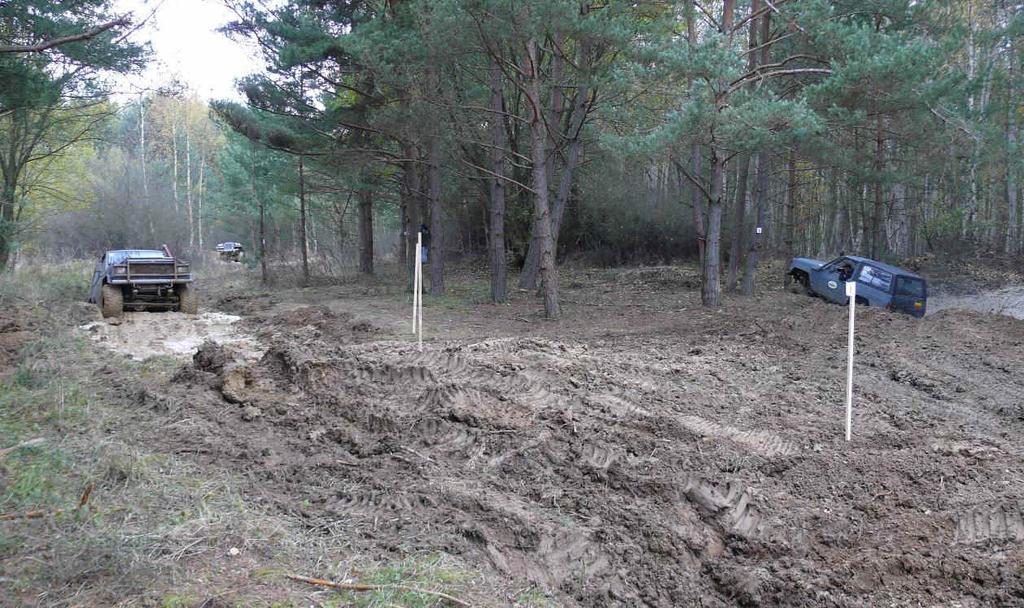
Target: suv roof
[{"x": 884, "y": 266}]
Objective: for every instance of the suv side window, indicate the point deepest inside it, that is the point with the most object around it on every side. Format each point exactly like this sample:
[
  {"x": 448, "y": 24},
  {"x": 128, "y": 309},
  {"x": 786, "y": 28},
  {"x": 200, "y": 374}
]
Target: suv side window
[
  {"x": 909, "y": 286},
  {"x": 875, "y": 277}
]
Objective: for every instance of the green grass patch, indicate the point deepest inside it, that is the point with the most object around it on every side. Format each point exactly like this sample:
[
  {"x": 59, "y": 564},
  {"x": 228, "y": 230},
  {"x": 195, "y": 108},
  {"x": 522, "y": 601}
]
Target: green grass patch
[
  {"x": 406, "y": 583},
  {"x": 37, "y": 401}
]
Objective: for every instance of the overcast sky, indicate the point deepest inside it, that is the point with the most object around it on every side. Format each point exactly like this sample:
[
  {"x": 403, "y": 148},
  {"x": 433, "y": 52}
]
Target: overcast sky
[{"x": 186, "y": 45}]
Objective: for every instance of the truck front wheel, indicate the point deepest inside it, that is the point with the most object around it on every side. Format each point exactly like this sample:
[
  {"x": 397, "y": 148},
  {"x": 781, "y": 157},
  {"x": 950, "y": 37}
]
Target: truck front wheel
[
  {"x": 801, "y": 282},
  {"x": 111, "y": 301},
  {"x": 188, "y": 300}
]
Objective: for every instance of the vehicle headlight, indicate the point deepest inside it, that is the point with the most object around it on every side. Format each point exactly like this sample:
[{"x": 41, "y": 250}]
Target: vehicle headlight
[
  {"x": 120, "y": 270},
  {"x": 183, "y": 268}
]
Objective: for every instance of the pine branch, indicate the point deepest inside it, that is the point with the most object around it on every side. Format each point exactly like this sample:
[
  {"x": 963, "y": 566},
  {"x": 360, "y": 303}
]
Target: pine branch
[{"x": 49, "y": 44}]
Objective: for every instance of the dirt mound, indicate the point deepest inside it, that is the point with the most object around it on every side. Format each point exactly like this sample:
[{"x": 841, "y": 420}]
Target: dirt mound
[
  {"x": 17, "y": 328},
  {"x": 311, "y": 323},
  {"x": 212, "y": 357}
]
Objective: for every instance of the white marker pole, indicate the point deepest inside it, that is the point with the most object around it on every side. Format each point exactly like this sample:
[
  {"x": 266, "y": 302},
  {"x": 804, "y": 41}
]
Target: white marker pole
[
  {"x": 851, "y": 292},
  {"x": 419, "y": 289},
  {"x": 415, "y": 284}
]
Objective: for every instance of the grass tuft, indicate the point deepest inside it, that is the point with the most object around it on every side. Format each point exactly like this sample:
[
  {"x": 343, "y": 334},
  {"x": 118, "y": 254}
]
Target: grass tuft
[{"x": 47, "y": 283}]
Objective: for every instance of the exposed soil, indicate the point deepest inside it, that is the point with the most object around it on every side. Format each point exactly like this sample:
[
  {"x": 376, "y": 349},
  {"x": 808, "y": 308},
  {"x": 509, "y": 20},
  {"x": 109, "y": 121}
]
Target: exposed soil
[
  {"x": 15, "y": 330},
  {"x": 643, "y": 451},
  {"x": 141, "y": 335}
]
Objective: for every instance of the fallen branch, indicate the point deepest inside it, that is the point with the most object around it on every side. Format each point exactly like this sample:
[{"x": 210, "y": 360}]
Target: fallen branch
[
  {"x": 24, "y": 444},
  {"x": 363, "y": 587},
  {"x": 26, "y": 515}
]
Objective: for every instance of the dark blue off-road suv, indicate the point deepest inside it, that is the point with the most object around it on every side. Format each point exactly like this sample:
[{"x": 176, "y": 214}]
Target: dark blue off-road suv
[
  {"x": 142, "y": 279},
  {"x": 878, "y": 284}
]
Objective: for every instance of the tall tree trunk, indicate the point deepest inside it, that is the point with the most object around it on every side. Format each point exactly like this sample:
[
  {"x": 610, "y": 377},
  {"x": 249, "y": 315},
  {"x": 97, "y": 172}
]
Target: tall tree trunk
[
  {"x": 413, "y": 208},
  {"x": 302, "y": 222},
  {"x": 700, "y": 225},
  {"x": 876, "y": 212},
  {"x": 264, "y": 274},
  {"x": 174, "y": 173},
  {"x": 437, "y": 227},
  {"x": 7, "y": 222},
  {"x": 1012, "y": 236},
  {"x": 541, "y": 207},
  {"x": 200, "y": 191},
  {"x": 142, "y": 146},
  {"x": 188, "y": 186},
  {"x": 365, "y": 196},
  {"x": 757, "y": 239},
  {"x": 711, "y": 289},
  {"x": 403, "y": 214},
  {"x": 736, "y": 230},
  {"x": 531, "y": 266},
  {"x": 499, "y": 271},
  {"x": 789, "y": 228},
  {"x": 528, "y": 280}
]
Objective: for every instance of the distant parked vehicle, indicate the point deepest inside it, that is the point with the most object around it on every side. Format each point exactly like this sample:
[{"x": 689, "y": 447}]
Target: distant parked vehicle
[
  {"x": 230, "y": 251},
  {"x": 878, "y": 284},
  {"x": 142, "y": 279}
]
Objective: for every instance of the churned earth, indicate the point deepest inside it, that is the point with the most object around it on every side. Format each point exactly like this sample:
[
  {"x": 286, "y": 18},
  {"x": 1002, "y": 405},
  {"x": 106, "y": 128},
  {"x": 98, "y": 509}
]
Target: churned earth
[{"x": 642, "y": 451}]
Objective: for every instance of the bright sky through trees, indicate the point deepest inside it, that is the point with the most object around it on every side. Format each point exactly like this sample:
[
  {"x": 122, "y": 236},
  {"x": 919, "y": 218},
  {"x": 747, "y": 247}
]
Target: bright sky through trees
[{"x": 187, "y": 46}]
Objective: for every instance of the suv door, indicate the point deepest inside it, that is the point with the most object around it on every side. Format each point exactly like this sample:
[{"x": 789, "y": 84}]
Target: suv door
[
  {"x": 827, "y": 283},
  {"x": 874, "y": 285}
]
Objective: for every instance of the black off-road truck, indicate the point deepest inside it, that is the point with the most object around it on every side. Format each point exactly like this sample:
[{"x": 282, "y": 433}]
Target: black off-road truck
[
  {"x": 142, "y": 279},
  {"x": 230, "y": 251}
]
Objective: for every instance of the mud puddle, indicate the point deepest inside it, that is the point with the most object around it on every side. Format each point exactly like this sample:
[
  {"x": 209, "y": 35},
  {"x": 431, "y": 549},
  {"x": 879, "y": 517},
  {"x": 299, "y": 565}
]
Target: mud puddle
[
  {"x": 1008, "y": 301},
  {"x": 142, "y": 335}
]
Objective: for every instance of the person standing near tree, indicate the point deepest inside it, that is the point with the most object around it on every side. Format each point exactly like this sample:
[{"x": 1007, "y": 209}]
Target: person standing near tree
[{"x": 425, "y": 252}]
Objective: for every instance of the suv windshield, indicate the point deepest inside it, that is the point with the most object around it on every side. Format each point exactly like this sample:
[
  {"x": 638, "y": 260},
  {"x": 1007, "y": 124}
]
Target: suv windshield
[{"x": 909, "y": 286}]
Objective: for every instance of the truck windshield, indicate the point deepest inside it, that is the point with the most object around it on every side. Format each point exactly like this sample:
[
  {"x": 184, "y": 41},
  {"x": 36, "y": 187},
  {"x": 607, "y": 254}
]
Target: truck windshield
[
  {"x": 909, "y": 286},
  {"x": 119, "y": 257}
]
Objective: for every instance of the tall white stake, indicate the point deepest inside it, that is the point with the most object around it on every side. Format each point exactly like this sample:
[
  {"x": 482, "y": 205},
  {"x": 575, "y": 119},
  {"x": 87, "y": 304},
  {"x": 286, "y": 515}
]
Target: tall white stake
[
  {"x": 419, "y": 289},
  {"x": 851, "y": 292},
  {"x": 415, "y": 286}
]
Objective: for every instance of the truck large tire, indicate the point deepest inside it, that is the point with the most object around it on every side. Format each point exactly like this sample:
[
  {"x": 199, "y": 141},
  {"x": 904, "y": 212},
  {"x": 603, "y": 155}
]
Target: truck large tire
[
  {"x": 801, "y": 283},
  {"x": 188, "y": 300},
  {"x": 111, "y": 301}
]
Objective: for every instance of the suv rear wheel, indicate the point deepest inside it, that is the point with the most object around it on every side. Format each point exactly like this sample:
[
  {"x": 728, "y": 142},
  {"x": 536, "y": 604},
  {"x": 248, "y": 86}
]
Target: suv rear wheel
[
  {"x": 188, "y": 300},
  {"x": 111, "y": 301}
]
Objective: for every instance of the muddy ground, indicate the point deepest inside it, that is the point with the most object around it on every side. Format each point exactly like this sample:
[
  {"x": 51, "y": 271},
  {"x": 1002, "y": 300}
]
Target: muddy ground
[{"x": 643, "y": 451}]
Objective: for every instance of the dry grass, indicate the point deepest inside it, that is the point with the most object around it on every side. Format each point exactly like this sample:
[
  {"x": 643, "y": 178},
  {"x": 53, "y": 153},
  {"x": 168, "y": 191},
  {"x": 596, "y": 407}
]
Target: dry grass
[{"x": 46, "y": 284}]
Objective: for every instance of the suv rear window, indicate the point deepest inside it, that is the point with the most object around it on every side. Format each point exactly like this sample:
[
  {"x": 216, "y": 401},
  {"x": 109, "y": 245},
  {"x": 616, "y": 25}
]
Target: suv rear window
[
  {"x": 874, "y": 277},
  {"x": 909, "y": 286}
]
